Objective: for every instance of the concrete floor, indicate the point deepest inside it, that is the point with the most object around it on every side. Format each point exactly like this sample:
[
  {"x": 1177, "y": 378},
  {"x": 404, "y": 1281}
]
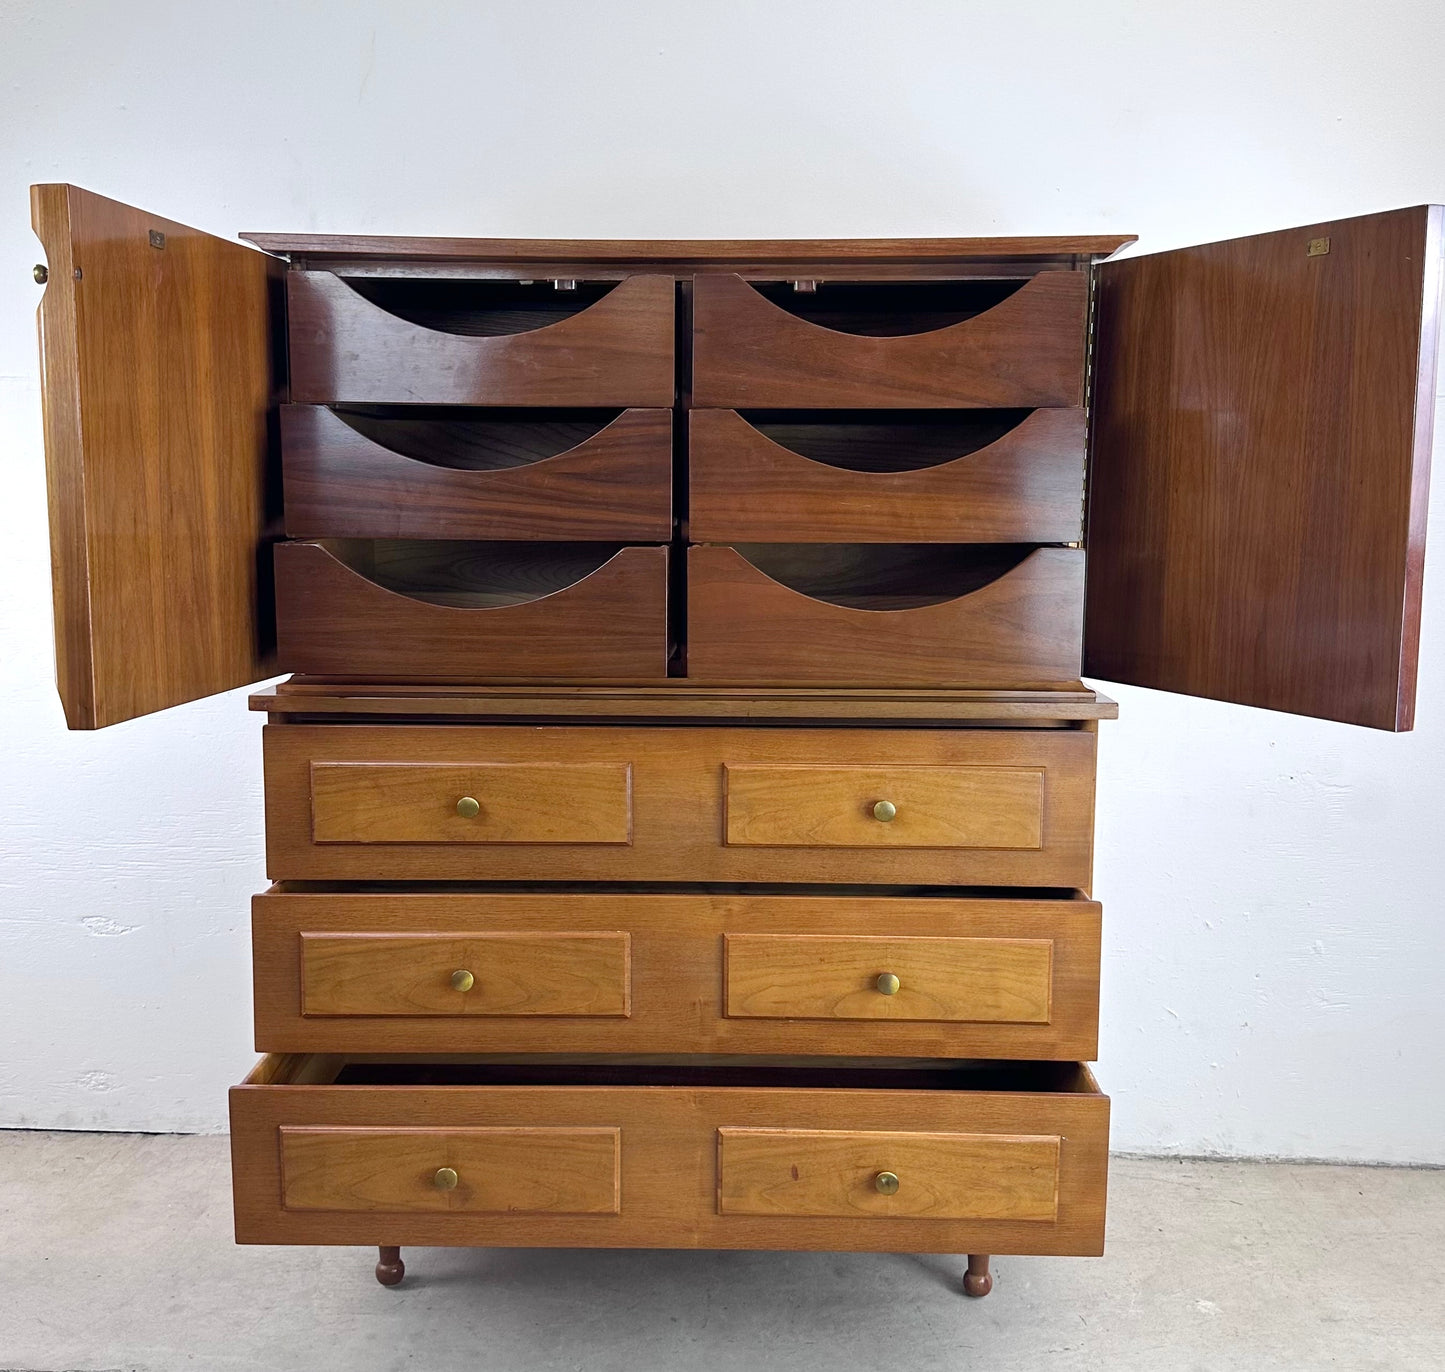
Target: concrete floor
[{"x": 116, "y": 1253}]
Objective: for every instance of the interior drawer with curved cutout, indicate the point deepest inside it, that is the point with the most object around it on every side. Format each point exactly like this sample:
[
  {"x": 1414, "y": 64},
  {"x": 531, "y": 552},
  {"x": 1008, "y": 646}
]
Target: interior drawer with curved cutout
[
  {"x": 931, "y": 972},
  {"x": 374, "y": 471},
  {"x": 986, "y": 616},
  {"x": 867, "y": 476},
  {"x": 910, "y": 344},
  {"x": 789, "y": 1153},
  {"x": 407, "y": 610},
  {"x": 430, "y": 341}
]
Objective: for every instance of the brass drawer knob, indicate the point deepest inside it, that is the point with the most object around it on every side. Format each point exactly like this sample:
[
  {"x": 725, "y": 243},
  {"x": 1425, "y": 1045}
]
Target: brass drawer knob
[
  {"x": 888, "y": 983},
  {"x": 468, "y": 807},
  {"x": 41, "y": 273},
  {"x": 446, "y": 1179},
  {"x": 885, "y": 811},
  {"x": 462, "y": 980},
  {"x": 885, "y": 1182}
]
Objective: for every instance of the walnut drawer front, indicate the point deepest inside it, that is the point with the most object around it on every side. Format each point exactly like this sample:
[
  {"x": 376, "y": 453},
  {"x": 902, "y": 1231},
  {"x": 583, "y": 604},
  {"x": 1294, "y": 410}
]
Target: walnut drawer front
[
  {"x": 884, "y": 807},
  {"x": 722, "y": 972},
  {"x": 748, "y": 485},
  {"x": 431, "y": 974},
  {"x": 446, "y": 474},
  {"x": 879, "y": 1172},
  {"x": 884, "y": 977},
  {"x": 511, "y": 1171},
  {"x": 335, "y": 1150},
  {"x": 988, "y": 807},
  {"x": 861, "y": 615},
  {"x": 1026, "y": 349},
  {"x": 481, "y": 802},
  {"x": 413, "y": 610},
  {"x": 410, "y": 341}
]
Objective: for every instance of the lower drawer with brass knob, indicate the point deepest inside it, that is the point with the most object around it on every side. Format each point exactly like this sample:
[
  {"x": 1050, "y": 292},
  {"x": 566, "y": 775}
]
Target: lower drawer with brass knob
[
  {"x": 850, "y": 972},
  {"x": 946, "y": 806},
  {"x": 917, "y": 1157}
]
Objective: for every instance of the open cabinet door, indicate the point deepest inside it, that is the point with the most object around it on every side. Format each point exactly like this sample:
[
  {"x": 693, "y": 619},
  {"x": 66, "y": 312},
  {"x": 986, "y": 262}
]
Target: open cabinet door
[
  {"x": 157, "y": 375},
  {"x": 1259, "y": 468}
]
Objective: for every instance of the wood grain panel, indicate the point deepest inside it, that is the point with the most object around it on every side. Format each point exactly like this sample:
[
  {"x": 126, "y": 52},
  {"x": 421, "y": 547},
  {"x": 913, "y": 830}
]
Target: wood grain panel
[
  {"x": 540, "y": 973},
  {"x": 678, "y": 811},
  {"x": 1261, "y": 454},
  {"x": 157, "y": 377},
  {"x": 1028, "y": 350},
  {"x": 812, "y": 1172},
  {"x": 333, "y": 620},
  {"x": 832, "y": 807},
  {"x": 831, "y": 976},
  {"x": 1025, "y": 487},
  {"x": 340, "y": 483},
  {"x": 344, "y": 348},
  {"x": 1023, "y": 629},
  {"x": 679, "y": 1003},
  {"x": 539, "y": 802},
  {"x": 669, "y": 1165},
  {"x": 531, "y": 1171}
]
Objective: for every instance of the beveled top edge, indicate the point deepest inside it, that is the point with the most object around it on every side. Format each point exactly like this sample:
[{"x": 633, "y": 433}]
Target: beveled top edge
[
  {"x": 699, "y": 250},
  {"x": 680, "y": 700}
]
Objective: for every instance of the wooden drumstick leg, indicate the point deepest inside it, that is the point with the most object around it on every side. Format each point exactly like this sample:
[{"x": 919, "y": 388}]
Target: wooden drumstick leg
[
  {"x": 977, "y": 1281},
  {"x": 390, "y": 1269}
]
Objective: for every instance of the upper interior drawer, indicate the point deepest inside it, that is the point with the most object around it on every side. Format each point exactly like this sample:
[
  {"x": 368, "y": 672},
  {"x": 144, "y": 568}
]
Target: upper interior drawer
[
  {"x": 428, "y": 341},
  {"x": 911, "y": 344},
  {"x": 416, "y": 471}
]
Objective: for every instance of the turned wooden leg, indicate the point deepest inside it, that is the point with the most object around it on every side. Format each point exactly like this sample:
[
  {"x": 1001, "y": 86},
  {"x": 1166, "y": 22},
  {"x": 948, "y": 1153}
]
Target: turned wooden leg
[
  {"x": 390, "y": 1269},
  {"x": 976, "y": 1281}
]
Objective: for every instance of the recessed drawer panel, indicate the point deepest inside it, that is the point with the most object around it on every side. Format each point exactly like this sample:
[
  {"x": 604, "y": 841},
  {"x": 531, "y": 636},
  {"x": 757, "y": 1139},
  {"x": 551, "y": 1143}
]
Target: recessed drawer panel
[
  {"x": 885, "y": 807},
  {"x": 741, "y": 971},
  {"x": 468, "y": 1171},
  {"x": 455, "y": 975},
  {"x": 880, "y": 1173},
  {"x": 970, "y": 807},
  {"x": 929, "y": 1157},
  {"x": 881, "y": 977},
  {"x": 908, "y": 344},
  {"x": 427, "y": 341},
  {"x": 485, "y": 802}
]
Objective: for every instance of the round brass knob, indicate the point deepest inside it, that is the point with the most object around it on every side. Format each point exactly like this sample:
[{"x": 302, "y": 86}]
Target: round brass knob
[
  {"x": 888, "y": 983},
  {"x": 446, "y": 1179},
  {"x": 885, "y": 1182},
  {"x": 41, "y": 273},
  {"x": 462, "y": 980},
  {"x": 468, "y": 807},
  {"x": 884, "y": 811}
]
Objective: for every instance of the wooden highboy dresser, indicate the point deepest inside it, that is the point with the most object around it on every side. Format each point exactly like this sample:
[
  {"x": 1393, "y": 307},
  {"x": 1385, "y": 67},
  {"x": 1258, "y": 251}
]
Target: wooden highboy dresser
[{"x": 680, "y": 815}]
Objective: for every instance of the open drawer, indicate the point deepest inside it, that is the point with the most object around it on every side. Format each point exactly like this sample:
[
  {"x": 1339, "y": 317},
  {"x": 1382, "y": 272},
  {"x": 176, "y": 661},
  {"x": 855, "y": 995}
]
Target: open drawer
[
  {"x": 870, "y": 476},
  {"x": 381, "y": 471},
  {"x": 999, "y": 615},
  {"x": 408, "y": 610},
  {"x": 852, "y": 971},
  {"x": 428, "y": 341},
  {"x": 910, "y": 344},
  {"x": 925, "y": 1157}
]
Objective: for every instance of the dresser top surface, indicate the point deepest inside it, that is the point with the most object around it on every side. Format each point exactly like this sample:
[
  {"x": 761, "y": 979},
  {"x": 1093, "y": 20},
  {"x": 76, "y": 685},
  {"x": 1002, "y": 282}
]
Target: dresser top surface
[{"x": 702, "y": 251}]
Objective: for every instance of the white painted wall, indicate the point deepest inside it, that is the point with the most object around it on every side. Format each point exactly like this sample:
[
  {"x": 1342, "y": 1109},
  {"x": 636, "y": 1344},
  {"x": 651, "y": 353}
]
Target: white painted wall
[{"x": 1272, "y": 886}]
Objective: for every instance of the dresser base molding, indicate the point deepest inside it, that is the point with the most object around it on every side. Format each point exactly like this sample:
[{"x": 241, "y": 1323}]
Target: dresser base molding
[{"x": 863, "y": 1155}]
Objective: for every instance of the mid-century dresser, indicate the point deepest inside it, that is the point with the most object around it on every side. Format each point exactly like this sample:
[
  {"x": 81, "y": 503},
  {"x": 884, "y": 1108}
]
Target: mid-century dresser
[{"x": 681, "y": 813}]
